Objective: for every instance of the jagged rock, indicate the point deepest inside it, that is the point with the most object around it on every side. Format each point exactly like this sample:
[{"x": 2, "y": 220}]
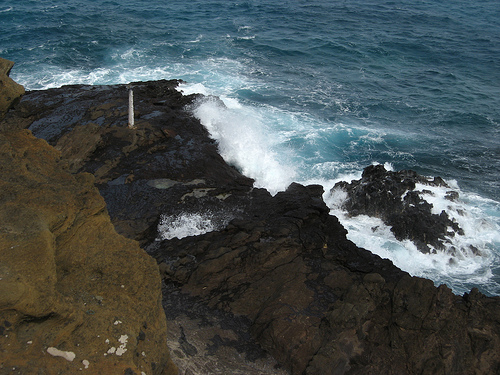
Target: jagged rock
[
  {"x": 275, "y": 272},
  {"x": 321, "y": 305},
  {"x": 10, "y": 91},
  {"x": 391, "y": 196},
  {"x": 74, "y": 295},
  {"x": 168, "y": 157}
]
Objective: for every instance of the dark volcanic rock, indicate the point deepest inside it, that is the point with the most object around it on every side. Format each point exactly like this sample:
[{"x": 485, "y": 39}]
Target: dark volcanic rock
[
  {"x": 166, "y": 158},
  {"x": 276, "y": 274},
  {"x": 391, "y": 196},
  {"x": 321, "y": 305}
]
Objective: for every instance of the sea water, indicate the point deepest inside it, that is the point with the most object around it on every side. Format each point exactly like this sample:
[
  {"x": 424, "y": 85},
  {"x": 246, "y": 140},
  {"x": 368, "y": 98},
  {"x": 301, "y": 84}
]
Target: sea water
[{"x": 314, "y": 91}]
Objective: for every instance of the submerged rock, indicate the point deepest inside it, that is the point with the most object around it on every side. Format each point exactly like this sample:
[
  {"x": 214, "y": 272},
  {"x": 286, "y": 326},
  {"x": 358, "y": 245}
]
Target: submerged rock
[{"x": 392, "y": 197}]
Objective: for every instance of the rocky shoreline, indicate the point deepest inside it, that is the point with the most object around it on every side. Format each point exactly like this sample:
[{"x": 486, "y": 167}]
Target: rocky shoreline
[{"x": 274, "y": 287}]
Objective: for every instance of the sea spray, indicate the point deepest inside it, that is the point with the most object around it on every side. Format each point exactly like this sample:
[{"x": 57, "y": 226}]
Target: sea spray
[
  {"x": 190, "y": 224},
  {"x": 471, "y": 258},
  {"x": 244, "y": 141}
]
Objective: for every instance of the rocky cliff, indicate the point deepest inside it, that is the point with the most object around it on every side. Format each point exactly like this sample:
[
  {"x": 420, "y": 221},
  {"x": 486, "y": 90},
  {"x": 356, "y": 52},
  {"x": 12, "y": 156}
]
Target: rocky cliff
[
  {"x": 268, "y": 274},
  {"x": 74, "y": 295}
]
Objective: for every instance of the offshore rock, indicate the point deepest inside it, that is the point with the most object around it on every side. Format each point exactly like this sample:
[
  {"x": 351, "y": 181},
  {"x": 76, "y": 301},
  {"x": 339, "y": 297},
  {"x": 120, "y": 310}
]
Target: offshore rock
[
  {"x": 74, "y": 295},
  {"x": 392, "y": 197},
  {"x": 267, "y": 274},
  {"x": 10, "y": 91}
]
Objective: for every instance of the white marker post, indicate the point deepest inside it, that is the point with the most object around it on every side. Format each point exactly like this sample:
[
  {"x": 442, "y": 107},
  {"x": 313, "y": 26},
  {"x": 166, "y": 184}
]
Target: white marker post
[{"x": 130, "y": 108}]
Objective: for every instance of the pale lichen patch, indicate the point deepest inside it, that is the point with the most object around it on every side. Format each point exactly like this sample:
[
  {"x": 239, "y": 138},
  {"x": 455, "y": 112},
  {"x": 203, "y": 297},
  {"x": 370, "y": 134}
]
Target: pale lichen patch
[{"x": 69, "y": 356}]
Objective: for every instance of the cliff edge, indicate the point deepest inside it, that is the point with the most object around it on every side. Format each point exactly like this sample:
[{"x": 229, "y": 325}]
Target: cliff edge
[
  {"x": 74, "y": 295},
  {"x": 264, "y": 274}
]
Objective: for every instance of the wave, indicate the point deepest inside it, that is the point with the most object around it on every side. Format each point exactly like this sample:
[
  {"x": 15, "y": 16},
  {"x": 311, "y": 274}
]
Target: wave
[
  {"x": 257, "y": 150},
  {"x": 244, "y": 141},
  {"x": 469, "y": 260}
]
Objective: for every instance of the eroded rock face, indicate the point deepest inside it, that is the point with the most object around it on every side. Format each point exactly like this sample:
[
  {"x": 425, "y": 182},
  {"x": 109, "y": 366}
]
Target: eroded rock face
[
  {"x": 10, "y": 91},
  {"x": 392, "y": 197},
  {"x": 73, "y": 293}
]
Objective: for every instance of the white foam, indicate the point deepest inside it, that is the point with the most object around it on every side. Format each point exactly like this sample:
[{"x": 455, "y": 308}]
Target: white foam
[
  {"x": 245, "y": 142},
  {"x": 461, "y": 267},
  {"x": 188, "y": 224}
]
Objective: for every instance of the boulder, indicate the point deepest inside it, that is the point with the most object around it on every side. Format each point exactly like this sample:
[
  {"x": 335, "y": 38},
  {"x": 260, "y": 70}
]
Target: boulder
[
  {"x": 10, "y": 91},
  {"x": 74, "y": 295}
]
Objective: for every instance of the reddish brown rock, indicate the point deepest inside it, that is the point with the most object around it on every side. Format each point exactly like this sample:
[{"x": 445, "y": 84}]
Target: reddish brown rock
[
  {"x": 73, "y": 293},
  {"x": 10, "y": 91}
]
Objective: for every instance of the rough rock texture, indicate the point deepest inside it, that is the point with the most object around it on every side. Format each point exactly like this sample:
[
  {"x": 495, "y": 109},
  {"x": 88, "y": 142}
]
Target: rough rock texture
[
  {"x": 391, "y": 196},
  {"x": 168, "y": 156},
  {"x": 275, "y": 274},
  {"x": 11, "y": 92},
  {"x": 321, "y": 305},
  {"x": 73, "y": 293}
]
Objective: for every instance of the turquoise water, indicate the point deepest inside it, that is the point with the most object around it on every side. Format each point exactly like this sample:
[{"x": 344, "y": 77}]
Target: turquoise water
[{"x": 314, "y": 92}]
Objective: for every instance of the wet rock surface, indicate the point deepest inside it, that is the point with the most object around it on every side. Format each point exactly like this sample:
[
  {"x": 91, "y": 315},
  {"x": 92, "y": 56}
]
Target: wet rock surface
[
  {"x": 166, "y": 158},
  {"x": 271, "y": 285},
  {"x": 393, "y": 197}
]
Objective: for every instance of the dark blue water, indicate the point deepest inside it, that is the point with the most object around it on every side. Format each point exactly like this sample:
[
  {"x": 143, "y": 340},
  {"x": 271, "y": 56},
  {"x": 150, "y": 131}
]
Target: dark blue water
[{"x": 314, "y": 92}]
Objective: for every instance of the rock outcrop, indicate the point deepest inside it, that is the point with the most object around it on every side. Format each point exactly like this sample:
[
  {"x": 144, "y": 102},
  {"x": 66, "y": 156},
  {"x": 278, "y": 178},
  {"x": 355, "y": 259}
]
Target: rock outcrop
[
  {"x": 393, "y": 197},
  {"x": 141, "y": 172},
  {"x": 74, "y": 295},
  {"x": 267, "y": 274},
  {"x": 11, "y": 92},
  {"x": 321, "y": 305}
]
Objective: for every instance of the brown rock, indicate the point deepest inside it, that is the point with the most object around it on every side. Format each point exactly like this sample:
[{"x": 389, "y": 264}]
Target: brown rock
[
  {"x": 10, "y": 91},
  {"x": 73, "y": 293}
]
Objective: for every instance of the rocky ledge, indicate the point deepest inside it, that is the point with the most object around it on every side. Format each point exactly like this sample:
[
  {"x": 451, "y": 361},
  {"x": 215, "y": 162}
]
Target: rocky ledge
[{"x": 271, "y": 285}]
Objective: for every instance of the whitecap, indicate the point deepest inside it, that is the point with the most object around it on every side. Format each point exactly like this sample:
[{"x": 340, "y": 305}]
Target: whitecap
[{"x": 245, "y": 142}]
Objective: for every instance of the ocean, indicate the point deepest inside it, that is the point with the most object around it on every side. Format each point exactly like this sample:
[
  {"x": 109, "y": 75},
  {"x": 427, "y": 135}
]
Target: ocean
[{"x": 314, "y": 91}]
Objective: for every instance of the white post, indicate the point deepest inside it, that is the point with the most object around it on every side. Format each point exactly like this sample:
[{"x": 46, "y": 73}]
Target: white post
[{"x": 130, "y": 108}]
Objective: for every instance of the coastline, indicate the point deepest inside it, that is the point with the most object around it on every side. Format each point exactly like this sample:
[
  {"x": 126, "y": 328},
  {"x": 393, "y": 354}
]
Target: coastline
[{"x": 275, "y": 272}]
